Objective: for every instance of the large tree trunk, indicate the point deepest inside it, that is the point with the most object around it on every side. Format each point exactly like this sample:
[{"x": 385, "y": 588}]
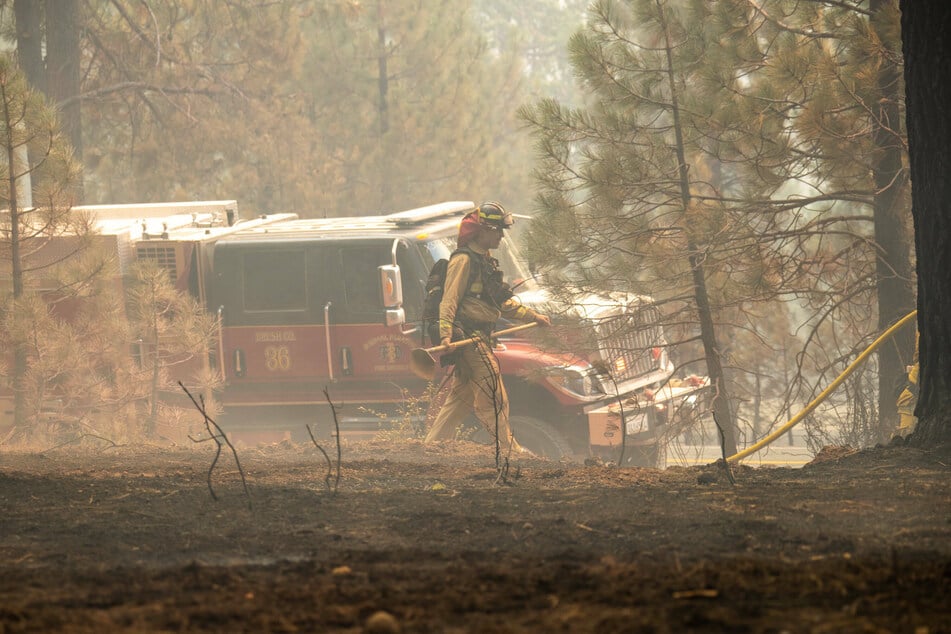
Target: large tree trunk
[
  {"x": 927, "y": 52},
  {"x": 30, "y": 42},
  {"x": 63, "y": 26},
  {"x": 29, "y": 29},
  {"x": 896, "y": 297}
]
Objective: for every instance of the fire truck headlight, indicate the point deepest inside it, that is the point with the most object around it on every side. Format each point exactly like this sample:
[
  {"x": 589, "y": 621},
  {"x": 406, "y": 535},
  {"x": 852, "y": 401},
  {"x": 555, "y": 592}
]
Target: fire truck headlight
[{"x": 576, "y": 380}]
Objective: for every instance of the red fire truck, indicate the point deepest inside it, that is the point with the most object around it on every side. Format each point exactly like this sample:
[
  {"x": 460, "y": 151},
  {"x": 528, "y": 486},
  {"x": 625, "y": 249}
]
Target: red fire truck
[
  {"x": 305, "y": 306},
  {"x": 309, "y": 305}
]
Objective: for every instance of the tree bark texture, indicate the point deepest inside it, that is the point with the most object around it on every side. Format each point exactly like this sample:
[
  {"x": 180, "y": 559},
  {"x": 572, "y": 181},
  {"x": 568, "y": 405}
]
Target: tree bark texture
[
  {"x": 927, "y": 53},
  {"x": 63, "y": 25},
  {"x": 894, "y": 271},
  {"x": 30, "y": 42}
]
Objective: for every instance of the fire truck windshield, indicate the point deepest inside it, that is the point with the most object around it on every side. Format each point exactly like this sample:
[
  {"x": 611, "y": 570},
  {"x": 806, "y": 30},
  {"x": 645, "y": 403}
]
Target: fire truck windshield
[
  {"x": 439, "y": 249},
  {"x": 514, "y": 268}
]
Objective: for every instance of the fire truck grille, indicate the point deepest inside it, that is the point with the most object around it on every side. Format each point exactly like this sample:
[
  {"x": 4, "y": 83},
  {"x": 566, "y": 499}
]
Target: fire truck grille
[
  {"x": 628, "y": 343},
  {"x": 163, "y": 256}
]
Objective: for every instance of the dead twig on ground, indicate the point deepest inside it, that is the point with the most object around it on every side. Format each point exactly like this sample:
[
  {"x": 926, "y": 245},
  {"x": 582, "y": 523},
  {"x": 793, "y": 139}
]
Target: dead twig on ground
[
  {"x": 218, "y": 435},
  {"x": 333, "y": 410},
  {"x": 79, "y": 438},
  {"x": 4, "y": 440},
  {"x": 503, "y": 474},
  {"x": 327, "y": 458},
  {"x": 502, "y": 470}
]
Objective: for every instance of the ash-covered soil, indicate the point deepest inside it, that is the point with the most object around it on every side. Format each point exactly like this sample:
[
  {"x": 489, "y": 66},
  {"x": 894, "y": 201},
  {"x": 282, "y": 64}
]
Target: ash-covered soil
[{"x": 132, "y": 539}]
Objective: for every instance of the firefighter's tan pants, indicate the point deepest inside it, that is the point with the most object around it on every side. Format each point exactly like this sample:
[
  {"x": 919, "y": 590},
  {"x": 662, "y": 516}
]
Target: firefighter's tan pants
[
  {"x": 906, "y": 412},
  {"x": 908, "y": 399},
  {"x": 476, "y": 388}
]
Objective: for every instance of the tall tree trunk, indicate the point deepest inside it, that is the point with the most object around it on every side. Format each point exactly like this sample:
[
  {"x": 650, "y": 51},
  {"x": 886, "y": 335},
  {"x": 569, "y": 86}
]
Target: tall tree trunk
[
  {"x": 722, "y": 410},
  {"x": 29, "y": 29},
  {"x": 63, "y": 24},
  {"x": 926, "y": 51},
  {"x": 30, "y": 42},
  {"x": 20, "y": 353},
  {"x": 894, "y": 272}
]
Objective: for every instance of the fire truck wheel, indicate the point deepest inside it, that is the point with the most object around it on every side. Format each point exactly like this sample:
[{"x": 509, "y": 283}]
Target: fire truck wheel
[{"x": 540, "y": 438}]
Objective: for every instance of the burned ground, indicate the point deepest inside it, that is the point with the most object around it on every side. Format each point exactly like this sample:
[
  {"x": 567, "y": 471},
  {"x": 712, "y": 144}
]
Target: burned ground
[{"x": 125, "y": 539}]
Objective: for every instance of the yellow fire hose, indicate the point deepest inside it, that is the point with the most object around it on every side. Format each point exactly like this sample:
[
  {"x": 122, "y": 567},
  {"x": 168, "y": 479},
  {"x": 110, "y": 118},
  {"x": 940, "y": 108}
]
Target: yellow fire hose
[{"x": 795, "y": 420}]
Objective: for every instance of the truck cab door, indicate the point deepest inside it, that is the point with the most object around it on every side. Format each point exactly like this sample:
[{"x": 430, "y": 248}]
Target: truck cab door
[{"x": 366, "y": 347}]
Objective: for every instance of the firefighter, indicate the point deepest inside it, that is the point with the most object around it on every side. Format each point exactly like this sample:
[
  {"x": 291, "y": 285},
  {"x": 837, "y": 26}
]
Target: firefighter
[
  {"x": 909, "y": 398},
  {"x": 472, "y": 303}
]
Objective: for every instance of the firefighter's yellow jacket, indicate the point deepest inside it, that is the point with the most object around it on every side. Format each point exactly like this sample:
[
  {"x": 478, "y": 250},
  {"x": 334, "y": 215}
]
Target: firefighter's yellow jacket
[{"x": 459, "y": 305}]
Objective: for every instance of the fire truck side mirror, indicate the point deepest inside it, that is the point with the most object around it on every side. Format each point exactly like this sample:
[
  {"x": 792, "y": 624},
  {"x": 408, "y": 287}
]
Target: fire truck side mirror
[
  {"x": 391, "y": 291},
  {"x": 391, "y": 285}
]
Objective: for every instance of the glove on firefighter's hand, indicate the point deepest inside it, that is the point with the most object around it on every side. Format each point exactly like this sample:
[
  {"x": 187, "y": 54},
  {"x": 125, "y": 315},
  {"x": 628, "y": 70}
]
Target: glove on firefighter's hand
[
  {"x": 543, "y": 320},
  {"x": 445, "y": 341}
]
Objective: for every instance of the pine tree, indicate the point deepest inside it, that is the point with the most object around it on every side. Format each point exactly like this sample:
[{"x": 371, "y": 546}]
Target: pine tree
[
  {"x": 185, "y": 101},
  {"x": 635, "y": 194},
  {"x": 409, "y": 105},
  {"x": 328, "y": 109},
  {"x": 38, "y": 176},
  {"x": 537, "y": 31},
  {"x": 782, "y": 147},
  {"x": 836, "y": 70},
  {"x": 174, "y": 334}
]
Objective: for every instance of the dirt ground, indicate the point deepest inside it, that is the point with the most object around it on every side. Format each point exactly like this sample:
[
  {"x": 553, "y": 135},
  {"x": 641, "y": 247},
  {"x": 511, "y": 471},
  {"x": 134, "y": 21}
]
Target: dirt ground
[{"x": 139, "y": 539}]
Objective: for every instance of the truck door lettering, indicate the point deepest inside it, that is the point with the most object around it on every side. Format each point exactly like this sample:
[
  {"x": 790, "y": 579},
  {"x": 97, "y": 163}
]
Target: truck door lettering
[{"x": 274, "y": 336}]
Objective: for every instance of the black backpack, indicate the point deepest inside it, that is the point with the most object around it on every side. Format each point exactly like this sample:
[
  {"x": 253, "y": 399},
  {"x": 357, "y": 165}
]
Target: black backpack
[{"x": 435, "y": 286}]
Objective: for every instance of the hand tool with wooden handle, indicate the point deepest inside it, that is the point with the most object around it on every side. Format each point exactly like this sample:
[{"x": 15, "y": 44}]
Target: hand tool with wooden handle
[{"x": 424, "y": 365}]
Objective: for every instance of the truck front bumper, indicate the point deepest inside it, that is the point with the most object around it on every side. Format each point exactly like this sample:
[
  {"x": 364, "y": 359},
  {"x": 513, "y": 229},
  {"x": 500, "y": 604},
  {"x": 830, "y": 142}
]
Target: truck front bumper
[{"x": 643, "y": 417}]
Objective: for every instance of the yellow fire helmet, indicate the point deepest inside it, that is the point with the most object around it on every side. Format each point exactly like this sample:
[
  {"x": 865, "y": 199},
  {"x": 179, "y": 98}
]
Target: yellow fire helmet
[{"x": 494, "y": 215}]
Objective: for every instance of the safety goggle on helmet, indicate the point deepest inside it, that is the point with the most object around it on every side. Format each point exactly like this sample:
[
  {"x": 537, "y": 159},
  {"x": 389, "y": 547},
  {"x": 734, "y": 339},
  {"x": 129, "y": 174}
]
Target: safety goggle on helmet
[{"x": 494, "y": 215}]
